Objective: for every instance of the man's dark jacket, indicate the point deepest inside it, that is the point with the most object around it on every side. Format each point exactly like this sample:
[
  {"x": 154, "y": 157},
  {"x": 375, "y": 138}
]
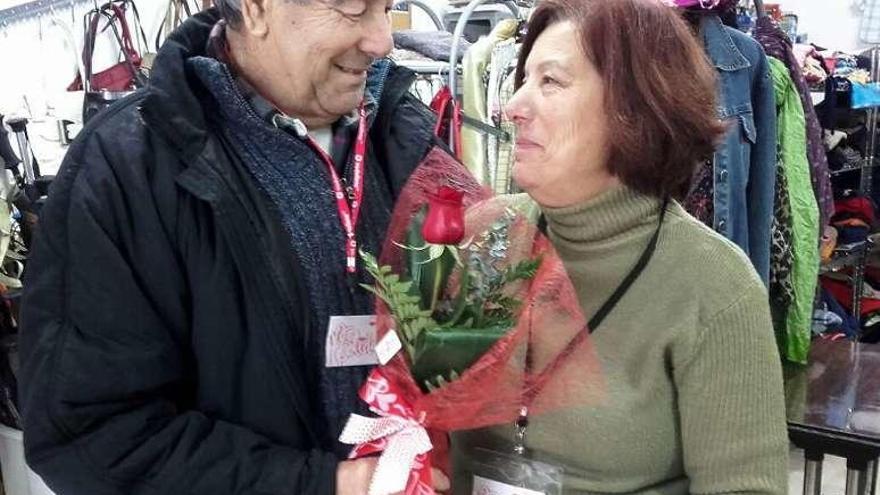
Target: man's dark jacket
[{"x": 163, "y": 325}]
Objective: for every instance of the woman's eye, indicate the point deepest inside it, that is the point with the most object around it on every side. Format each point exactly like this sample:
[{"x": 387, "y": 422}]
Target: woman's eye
[{"x": 549, "y": 80}]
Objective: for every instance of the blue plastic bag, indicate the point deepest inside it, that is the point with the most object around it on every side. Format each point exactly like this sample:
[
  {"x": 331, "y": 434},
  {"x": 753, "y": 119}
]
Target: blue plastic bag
[{"x": 865, "y": 95}]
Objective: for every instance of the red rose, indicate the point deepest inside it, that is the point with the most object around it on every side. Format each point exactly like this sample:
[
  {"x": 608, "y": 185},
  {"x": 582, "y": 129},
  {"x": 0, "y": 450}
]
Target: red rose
[{"x": 445, "y": 221}]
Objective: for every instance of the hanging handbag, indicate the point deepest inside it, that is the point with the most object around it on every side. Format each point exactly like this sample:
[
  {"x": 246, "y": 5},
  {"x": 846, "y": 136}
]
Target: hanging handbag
[
  {"x": 125, "y": 75},
  {"x": 448, "y": 113},
  {"x": 176, "y": 12},
  {"x": 108, "y": 86}
]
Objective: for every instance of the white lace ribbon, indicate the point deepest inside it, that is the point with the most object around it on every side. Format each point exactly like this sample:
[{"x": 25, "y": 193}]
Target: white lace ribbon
[{"x": 405, "y": 439}]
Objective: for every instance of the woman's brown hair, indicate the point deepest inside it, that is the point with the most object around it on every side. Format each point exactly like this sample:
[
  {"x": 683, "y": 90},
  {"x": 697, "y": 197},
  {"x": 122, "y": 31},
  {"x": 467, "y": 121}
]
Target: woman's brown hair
[{"x": 660, "y": 88}]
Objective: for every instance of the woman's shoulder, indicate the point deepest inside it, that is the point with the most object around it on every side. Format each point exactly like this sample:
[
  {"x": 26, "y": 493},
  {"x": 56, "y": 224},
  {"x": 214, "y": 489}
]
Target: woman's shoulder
[{"x": 716, "y": 271}]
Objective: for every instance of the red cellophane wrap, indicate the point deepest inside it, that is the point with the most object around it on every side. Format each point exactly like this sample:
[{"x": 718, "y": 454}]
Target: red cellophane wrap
[{"x": 550, "y": 329}]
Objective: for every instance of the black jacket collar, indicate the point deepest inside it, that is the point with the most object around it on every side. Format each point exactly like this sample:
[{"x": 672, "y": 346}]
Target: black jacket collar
[{"x": 172, "y": 106}]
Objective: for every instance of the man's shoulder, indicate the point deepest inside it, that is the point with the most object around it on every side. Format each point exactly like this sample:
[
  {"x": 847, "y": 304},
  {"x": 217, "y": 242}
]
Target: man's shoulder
[
  {"x": 113, "y": 147},
  {"x": 114, "y": 129}
]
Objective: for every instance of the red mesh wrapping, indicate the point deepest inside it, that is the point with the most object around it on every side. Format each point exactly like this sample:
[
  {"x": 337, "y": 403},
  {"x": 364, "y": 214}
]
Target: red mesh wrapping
[
  {"x": 494, "y": 389},
  {"x": 549, "y": 333}
]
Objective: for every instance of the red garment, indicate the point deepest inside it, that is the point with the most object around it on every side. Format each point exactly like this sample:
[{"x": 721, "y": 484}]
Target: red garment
[
  {"x": 861, "y": 206},
  {"x": 842, "y": 292}
]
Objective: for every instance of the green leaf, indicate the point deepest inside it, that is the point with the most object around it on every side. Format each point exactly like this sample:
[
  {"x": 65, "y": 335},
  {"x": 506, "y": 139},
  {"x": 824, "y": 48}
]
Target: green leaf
[
  {"x": 411, "y": 248},
  {"x": 524, "y": 270},
  {"x": 409, "y": 317},
  {"x": 378, "y": 294}
]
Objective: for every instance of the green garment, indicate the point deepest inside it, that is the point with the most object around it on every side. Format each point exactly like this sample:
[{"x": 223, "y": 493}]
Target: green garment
[
  {"x": 691, "y": 397},
  {"x": 794, "y": 339},
  {"x": 474, "y": 67}
]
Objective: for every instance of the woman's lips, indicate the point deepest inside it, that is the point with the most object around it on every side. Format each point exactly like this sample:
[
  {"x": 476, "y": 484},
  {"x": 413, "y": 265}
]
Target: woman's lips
[{"x": 523, "y": 144}]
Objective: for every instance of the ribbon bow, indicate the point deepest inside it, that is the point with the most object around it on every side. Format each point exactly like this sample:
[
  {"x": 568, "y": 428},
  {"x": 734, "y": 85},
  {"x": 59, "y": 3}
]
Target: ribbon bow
[{"x": 398, "y": 433}]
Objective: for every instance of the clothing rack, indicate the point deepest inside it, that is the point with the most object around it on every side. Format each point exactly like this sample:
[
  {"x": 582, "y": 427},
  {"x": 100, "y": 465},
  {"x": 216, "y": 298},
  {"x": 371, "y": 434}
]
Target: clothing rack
[
  {"x": 759, "y": 8},
  {"x": 865, "y": 185},
  {"x": 453, "y": 60},
  {"x": 425, "y": 7},
  {"x": 459, "y": 33}
]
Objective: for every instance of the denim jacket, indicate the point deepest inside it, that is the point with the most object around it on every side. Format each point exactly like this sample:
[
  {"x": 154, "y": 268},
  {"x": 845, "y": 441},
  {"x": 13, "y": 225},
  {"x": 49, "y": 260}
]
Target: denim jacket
[{"x": 745, "y": 162}]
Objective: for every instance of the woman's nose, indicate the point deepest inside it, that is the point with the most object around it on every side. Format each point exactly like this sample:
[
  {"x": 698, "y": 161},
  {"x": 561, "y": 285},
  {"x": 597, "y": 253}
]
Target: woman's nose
[{"x": 517, "y": 108}]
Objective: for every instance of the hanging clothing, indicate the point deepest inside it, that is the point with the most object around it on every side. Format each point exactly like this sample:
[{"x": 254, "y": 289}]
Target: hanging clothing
[
  {"x": 436, "y": 45},
  {"x": 701, "y": 198},
  {"x": 777, "y": 44},
  {"x": 474, "y": 86},
  {"x": 843, "y": 292},
  {"x": 781, "y": 257},
  {"x": 745, "y": 163},
  {"x": 824, "y": 321},
  {"x": 804, "y": 213},
  {"x": 855, "y": 207},
  {"x": 503, "y": 62},
  {"x": 850, "y": 325},
  {"x": 504, "y": 168}
]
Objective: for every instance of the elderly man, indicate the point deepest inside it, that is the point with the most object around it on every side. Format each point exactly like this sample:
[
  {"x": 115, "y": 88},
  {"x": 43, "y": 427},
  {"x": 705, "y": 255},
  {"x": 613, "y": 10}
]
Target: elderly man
[{"x": 199, "y": 238}]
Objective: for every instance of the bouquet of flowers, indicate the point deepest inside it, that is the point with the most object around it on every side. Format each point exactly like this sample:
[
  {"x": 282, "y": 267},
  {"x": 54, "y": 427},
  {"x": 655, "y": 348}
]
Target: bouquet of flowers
[{"x": 463, "y": 284}]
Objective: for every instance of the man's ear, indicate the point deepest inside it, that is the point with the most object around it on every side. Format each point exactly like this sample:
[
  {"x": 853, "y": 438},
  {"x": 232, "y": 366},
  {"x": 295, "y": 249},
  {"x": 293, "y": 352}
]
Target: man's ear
[{"x": 255, "y": 16}]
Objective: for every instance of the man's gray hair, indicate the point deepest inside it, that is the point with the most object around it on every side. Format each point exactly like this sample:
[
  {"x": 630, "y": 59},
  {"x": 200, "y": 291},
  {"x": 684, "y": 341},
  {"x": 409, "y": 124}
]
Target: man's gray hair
[{"x": 230, "y": 11}]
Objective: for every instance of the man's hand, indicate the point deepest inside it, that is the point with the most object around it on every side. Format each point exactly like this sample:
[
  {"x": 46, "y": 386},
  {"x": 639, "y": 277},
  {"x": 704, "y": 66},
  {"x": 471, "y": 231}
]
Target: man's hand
[{"x": 353, "y": 477}]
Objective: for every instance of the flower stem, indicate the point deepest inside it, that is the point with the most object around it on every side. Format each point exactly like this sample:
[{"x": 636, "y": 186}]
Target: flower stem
[{"x": 435, "y": 294}]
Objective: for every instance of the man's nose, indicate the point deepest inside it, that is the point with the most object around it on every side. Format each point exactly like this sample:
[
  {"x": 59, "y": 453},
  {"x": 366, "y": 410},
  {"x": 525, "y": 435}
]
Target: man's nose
[{"x": 376, "y": 41}]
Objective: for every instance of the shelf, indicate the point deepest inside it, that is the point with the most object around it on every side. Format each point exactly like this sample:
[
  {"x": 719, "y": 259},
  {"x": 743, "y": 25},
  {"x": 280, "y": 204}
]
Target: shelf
[
  {"x": 844, "y": 170},
  {"x": 843, "y": 257},
  {"x": 425, "y": 66}
]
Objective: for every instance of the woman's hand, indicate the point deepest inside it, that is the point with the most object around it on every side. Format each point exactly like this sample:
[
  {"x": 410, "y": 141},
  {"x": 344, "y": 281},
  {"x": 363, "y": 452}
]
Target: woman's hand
[
  {"x": 441, "y": 482},
  {"x": 353, "y": 477}
]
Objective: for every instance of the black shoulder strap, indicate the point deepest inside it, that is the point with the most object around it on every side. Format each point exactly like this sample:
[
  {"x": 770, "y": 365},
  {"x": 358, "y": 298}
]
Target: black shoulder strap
[{"x": 631, "y": 277}]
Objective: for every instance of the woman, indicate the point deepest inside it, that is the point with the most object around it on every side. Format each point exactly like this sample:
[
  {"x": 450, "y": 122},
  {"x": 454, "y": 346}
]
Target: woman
[{"x": 615, "y": 108}]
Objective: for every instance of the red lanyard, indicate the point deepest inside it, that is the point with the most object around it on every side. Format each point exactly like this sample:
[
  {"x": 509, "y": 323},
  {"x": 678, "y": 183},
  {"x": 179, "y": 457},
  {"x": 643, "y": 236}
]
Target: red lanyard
[{"x": 349, "y": 213}]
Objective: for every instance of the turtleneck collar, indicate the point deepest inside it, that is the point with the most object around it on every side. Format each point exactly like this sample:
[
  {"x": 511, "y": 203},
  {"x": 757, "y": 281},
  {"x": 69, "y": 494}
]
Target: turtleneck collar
[{"x": 616, "y": 212}]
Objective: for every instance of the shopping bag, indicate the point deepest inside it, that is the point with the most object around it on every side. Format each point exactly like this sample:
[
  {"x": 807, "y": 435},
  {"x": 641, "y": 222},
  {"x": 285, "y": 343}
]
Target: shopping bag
[{"x": 865, "y": 95}]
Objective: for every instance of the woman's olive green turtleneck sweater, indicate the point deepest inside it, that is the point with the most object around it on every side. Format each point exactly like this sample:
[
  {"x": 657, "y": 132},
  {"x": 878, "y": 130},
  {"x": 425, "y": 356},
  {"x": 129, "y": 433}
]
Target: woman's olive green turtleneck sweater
[{"x": 693, "y": 399}]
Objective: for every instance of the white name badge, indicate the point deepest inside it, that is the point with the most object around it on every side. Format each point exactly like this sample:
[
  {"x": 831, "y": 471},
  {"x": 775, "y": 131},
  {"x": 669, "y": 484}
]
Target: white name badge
[
  {"x": 351, "y": 341},
  {"x": 503, "y": 473},
  {"x": 484, "y": 486}
]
